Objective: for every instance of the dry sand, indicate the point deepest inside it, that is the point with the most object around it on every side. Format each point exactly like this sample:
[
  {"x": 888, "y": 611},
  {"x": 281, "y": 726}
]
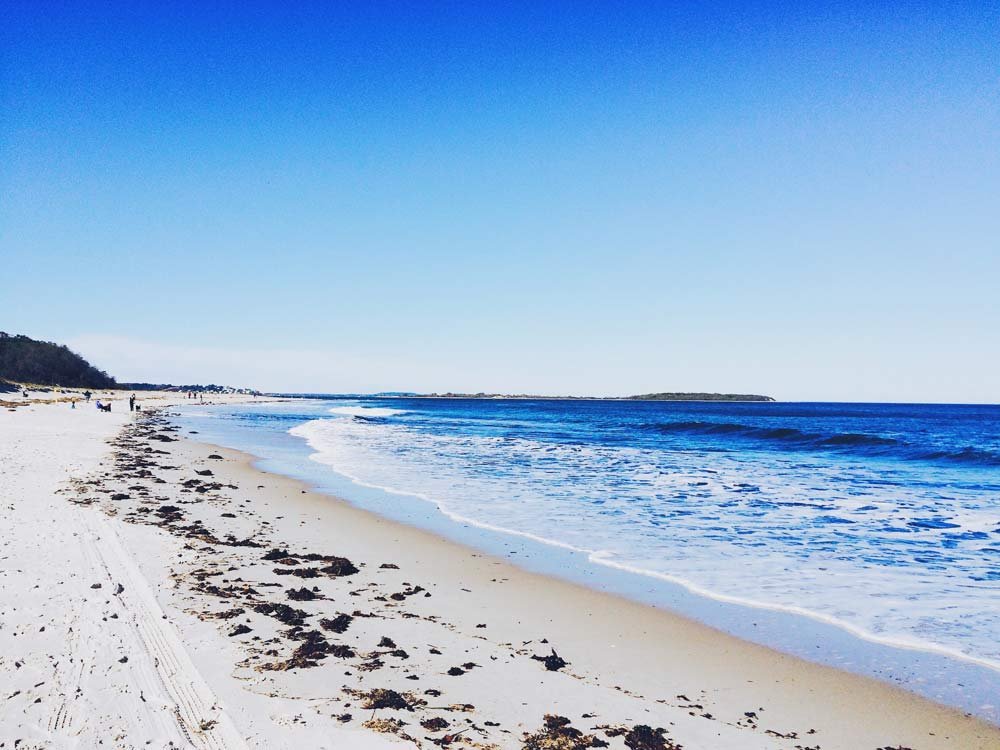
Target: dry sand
[{"x": 239, "y": 609}]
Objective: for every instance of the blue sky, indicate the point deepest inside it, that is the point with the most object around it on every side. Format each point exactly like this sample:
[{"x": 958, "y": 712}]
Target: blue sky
[{"x": 579, "y": 198}]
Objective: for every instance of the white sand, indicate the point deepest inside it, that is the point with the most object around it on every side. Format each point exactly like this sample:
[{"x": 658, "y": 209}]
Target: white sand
[
  {"x": 79, "y": 662},
  {"x": 87, "y": 656},
  {"x": 187, "y": 681}
]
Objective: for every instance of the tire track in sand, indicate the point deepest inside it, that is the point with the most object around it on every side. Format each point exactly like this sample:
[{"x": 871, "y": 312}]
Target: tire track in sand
[{"x": 199, "y": 716}]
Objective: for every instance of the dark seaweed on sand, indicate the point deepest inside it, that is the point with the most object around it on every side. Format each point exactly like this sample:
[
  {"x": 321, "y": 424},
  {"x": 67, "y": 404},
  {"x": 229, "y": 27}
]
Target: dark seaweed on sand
[
  {"x": 282, "y": 613},
  {"x": 385, "y": 698},
  {"x": 339, "y": 566},
  {"x": 335, "y": 566},
  {"x": 338, "y": 624},
  {"x": 553, "y": 662},
  {"x": 435, "y": 724},
  {"x": 298, "y": 572},
  {"x": 557, "y": 734},
  {"x": 305, "y": 656},
  {"x": 643, "y": 737}
]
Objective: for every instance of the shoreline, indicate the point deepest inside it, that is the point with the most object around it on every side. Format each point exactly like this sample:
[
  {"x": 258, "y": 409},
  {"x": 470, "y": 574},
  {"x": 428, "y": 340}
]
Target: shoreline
[
  {"x": 762, "y": 657},
  {"x": 430, "y": 545},
  {"x": 595, "y": 558},
  {"x": 955, "y": 680},
  {"x": 621, "y": 600},
  {"x": 444, "y": 607}
]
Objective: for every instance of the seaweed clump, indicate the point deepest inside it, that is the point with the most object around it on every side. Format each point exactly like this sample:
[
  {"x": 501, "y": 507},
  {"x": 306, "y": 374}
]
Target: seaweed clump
[
  {"x": 553, "y": 662},
  {"x": 308, "y": 654},
  {"x": 643, "y": 737},
  {"x": 282, "y": 613},
  {"x": 338, "y": 624},
  {"x": 557, "y": 734},
  {"x": 301, "y": 594},
  {"x": 385, "y": 698},
  {"x": 389, "y": 726},
  {"x": 338, "y": 567}
]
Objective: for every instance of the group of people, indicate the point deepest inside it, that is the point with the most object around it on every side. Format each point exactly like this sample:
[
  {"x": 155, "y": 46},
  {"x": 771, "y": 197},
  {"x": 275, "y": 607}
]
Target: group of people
[
  {"x": 106, "y": 405},
  {"x": 192, "y": 394}
]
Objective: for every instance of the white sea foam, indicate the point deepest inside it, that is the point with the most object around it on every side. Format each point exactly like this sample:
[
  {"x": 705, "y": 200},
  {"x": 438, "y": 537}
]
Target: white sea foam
[{"x": 740, "y": 532}]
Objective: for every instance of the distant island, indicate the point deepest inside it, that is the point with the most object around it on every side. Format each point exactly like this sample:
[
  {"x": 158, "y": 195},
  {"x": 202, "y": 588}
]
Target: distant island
[
  {"x": 698, "y": 397},
  {"x": 666, "y": 396}
]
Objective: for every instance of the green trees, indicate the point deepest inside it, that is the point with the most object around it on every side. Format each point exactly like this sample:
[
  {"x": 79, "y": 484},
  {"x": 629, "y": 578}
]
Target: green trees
[{"x": 26, "y": 360}]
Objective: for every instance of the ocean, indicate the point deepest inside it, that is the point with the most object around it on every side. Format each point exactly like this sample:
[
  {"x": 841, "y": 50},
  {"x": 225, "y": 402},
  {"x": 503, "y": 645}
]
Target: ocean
[{"x": 877, "y": 522}]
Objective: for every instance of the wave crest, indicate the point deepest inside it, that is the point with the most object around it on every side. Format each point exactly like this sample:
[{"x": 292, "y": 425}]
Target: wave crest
[
  {"x": 845, "y": 442},
  {"x": 365, "y": 411}
]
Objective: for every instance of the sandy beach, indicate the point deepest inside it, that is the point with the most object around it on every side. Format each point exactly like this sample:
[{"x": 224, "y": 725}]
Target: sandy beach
[{"x": 160, "y": 592}]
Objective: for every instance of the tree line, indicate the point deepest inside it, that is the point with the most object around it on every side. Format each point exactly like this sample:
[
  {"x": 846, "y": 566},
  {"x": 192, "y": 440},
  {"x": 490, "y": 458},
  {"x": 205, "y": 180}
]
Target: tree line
[{"x": 25, "y": 360}]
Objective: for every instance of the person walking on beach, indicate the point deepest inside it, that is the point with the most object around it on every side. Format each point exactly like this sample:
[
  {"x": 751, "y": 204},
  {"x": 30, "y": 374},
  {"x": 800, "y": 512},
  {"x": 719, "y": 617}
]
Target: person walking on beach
[
  {"x": 86, "y": 395},
  {"x": 131, "y": 402}
]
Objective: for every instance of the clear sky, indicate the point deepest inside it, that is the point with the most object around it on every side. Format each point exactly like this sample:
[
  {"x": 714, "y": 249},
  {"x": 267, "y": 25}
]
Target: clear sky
[{"x": 579, "y": 198}]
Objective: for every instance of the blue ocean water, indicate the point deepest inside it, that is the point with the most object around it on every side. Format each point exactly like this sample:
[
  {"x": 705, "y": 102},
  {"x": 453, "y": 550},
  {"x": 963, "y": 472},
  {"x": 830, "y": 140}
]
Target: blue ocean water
[{"x": 881, "y": 519}]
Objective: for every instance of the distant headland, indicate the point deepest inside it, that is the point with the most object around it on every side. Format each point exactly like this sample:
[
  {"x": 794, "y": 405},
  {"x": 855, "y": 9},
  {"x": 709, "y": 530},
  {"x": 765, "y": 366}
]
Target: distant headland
[{"x": 665, "y": 396}]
